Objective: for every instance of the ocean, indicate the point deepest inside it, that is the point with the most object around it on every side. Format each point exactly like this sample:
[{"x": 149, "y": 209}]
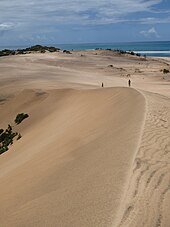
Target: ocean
[{"x": 157, "y": 49}]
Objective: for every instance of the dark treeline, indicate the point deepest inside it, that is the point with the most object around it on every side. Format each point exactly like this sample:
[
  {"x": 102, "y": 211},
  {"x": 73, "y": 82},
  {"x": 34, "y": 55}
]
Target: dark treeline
[{"x": 36, "y": 48}]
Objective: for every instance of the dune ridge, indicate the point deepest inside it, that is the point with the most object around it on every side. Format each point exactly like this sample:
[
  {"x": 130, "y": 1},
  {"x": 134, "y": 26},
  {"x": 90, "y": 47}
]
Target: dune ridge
[{"x": 65, "y": 168}]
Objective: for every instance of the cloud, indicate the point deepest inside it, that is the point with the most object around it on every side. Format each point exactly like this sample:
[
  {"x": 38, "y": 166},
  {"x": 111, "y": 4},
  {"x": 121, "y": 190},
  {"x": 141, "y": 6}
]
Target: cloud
[
  {"x": 150, "y": 33},
  {"x": 32, "y": 19},
  {"x": 72, "y": 11},
  {"x": 6, "y": 26},
  {"x": 153, "y": 20}
]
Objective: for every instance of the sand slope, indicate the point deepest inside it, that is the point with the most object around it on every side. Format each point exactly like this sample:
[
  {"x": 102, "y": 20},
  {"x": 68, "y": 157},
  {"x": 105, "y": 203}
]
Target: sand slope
[
  {"x": 147, "y": 201},
  {"x": 72, "y": 165},
  {"x": 87, "y": 157}
]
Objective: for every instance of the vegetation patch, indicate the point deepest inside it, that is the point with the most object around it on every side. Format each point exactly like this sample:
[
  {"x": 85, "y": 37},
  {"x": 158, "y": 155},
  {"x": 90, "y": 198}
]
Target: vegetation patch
[
  {"x": 20, "y": 117},
  {"x": 42, "y": 49},
  {"x": 66, "y": 51},
  {"x": 7, "y": 136},
  {"x": 121, "y": 52},
  {"x": 6, "y": 52},
  {"x": 165, "y": 71},
  {"x": 36, "y": 48}
]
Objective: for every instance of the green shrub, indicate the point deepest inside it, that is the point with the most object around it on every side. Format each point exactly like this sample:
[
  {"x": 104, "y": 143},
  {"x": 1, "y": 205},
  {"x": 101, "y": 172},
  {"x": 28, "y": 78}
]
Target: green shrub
[
  {"x": 36, "y": 48},
  {"x": 20, "y": 117},
  {"x": 6, "y": 52},
  {"x": 165, "y": 71},
  {"x": 3, "y": 149},
  {"x": 1, "y": 131},
  {"x": 66, "y": 51},
  {"x": 19, "y": 136},
  {"x": 7, "y": 136}
]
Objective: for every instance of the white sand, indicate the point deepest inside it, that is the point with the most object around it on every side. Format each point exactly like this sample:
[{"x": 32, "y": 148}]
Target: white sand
[{"x": 88, "y": 156}]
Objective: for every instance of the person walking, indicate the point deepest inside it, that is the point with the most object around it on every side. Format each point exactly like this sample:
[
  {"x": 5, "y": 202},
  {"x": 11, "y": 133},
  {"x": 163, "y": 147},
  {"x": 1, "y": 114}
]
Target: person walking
[
  {"x": 129, "y": 83},
  {"x": 102, "y": 85}
]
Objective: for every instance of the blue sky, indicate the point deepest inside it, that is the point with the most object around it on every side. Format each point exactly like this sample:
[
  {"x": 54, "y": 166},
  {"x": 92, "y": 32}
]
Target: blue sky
[{"x": 83, "y": 21}]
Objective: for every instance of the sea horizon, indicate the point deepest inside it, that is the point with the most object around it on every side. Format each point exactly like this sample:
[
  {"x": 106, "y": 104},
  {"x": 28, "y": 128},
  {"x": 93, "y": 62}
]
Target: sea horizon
[{"x": 150, "y": 48}]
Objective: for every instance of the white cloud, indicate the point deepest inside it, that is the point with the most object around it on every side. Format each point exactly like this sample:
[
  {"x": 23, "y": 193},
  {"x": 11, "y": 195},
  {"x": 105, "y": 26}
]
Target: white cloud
[
  {"x": 6, "y": 26},
  {"x": 150, "y": 33},
  {"x": 154, "y": 20},
  {"x": 72, "y": 11}
]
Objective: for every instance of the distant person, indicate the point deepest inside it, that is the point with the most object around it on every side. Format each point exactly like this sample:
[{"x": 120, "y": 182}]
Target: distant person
[
  {"x": 102, "y": 85},
  {"x": 129, "y": 83}
]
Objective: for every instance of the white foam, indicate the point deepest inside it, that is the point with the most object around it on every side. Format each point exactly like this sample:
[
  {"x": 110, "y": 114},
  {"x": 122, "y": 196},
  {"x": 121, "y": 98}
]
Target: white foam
[{"x": 153, "y": 52}]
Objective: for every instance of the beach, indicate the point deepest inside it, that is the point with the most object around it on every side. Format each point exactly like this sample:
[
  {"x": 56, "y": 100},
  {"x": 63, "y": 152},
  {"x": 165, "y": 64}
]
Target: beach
[{"x": 89, "y": 156}]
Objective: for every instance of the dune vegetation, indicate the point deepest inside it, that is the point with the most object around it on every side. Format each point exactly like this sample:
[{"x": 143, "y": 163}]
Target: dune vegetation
[{"x": 7, "y": 135}]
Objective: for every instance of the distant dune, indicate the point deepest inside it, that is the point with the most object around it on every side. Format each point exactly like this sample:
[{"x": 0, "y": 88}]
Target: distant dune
[{"x": 88, "y": 156}]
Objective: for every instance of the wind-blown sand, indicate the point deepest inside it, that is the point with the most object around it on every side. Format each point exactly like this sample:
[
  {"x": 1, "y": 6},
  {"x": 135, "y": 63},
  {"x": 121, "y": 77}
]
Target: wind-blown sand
[{"x": 88, "y": 156}]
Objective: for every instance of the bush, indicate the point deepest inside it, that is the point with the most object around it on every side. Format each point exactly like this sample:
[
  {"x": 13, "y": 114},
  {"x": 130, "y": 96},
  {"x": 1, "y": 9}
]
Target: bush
[
  {"x": 19, "y": 136},
  {"x": 138, "y": 54},
  {"x": 7, "y": 136},
  {"x": 41, "y": 49},
  {"x": 20, "y": 117},
  {"x": 6, "y": 52},
  {"x": 165, "y": 71},
  {"x": 36, "y": 48},
  {"x": 132, "y": 53},
  {"x": 66, "y": 51}
]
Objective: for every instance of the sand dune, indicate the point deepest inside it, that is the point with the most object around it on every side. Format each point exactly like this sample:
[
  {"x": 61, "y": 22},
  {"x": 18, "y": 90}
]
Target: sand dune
[
  {"x": 89, "y": 156},
  {"x": 64, "y": 170}
]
